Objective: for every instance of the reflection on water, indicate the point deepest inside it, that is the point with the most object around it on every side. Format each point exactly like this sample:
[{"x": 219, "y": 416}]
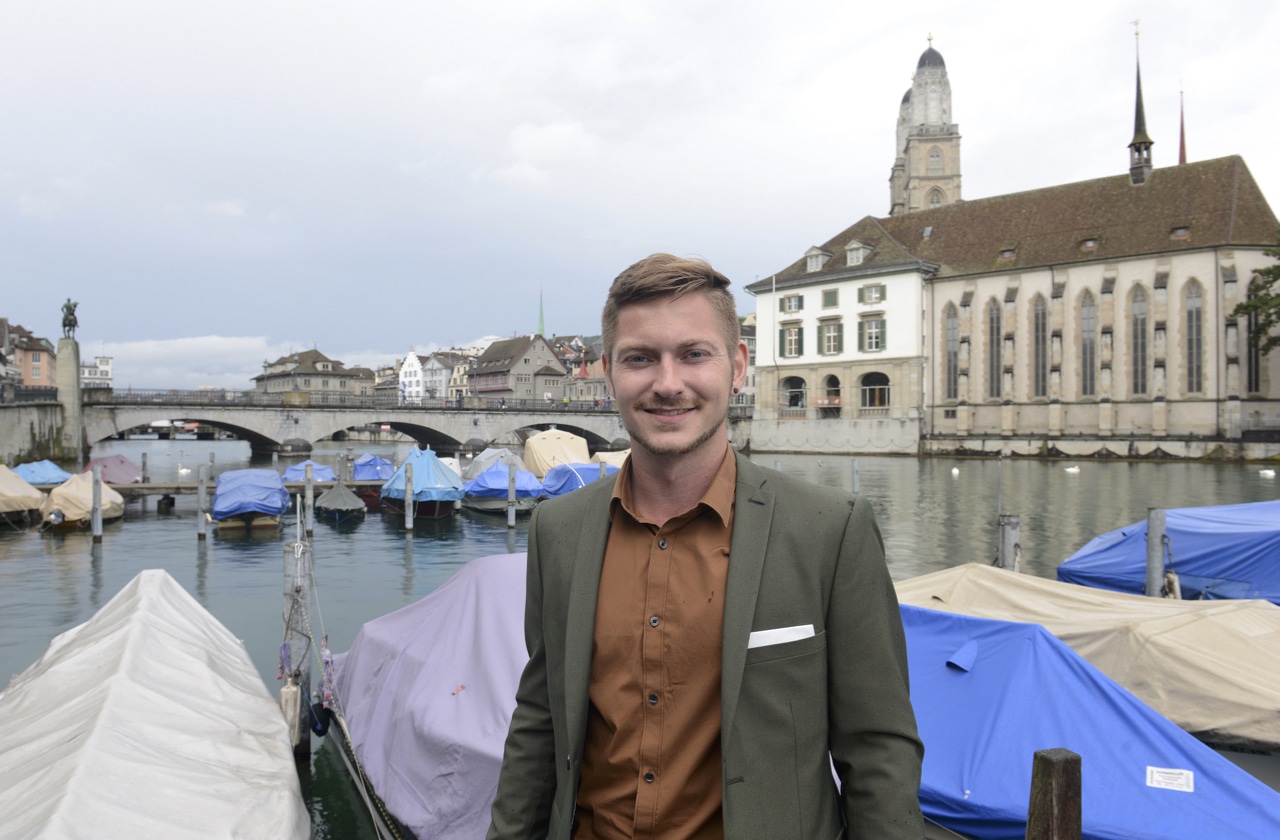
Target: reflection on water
[{"x": 930, "y": 516}]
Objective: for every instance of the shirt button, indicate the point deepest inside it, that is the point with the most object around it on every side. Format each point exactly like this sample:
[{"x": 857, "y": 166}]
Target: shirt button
[
  {"x": 662, "y": 544},
  {"x": 648, "y": 777},
  {"x": 653, "y": 699},
  {"x": 654, "y": 621}
]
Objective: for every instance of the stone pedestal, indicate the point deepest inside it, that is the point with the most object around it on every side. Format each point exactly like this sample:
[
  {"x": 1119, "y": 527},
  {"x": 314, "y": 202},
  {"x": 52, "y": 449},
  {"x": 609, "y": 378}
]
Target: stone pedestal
[{"x": 71, "y": 440}]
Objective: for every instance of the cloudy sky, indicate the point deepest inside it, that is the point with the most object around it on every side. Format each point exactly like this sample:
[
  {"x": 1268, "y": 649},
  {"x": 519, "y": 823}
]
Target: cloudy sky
[{"x": 219, "y": 183}]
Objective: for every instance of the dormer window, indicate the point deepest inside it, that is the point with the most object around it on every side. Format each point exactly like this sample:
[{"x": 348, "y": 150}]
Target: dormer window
[
  {"x": 816, "y": 259},
  {"x": 1007, "y": 254},
  {"x": 855, "y": 253},
  {"x": 1181, "y": 232},
  {"x": 1089, "y": 244}
]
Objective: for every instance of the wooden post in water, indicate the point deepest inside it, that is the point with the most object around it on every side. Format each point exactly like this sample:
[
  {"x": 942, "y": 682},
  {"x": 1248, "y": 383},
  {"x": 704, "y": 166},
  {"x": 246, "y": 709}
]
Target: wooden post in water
[
  {"x": 95, "y": 516},
  {"x": 202, "y": 487},
  {"x": 854, "y": 466},
  {"x": 211, "y": 463},
  {"x": 511, "y": 496},
  {"x": 145, "y": 478},
  {"x": 310, "y": 500},
  {"x": 1009, "y": 551},
  {"x": 408, "y": 497},
  {"x": 275, "y": 461},
  {"x": 1055, "y": 812},
  {"x": 1155, "y": 551}
]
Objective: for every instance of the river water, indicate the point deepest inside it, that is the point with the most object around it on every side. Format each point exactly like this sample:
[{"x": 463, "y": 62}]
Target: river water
[{"x": 934, "y": 513}]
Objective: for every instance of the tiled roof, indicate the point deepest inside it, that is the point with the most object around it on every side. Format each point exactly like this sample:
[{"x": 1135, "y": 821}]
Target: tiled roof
[{"x": 1217, "y": 202}]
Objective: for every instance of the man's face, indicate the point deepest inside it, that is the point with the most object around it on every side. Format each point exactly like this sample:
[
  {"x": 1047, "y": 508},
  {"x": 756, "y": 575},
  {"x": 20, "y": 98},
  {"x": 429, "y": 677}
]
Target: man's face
[{"x": 672, "y": 375}]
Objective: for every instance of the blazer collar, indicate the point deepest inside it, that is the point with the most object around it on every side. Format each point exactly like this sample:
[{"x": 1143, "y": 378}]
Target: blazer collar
[{"x": 752, "y": 519}]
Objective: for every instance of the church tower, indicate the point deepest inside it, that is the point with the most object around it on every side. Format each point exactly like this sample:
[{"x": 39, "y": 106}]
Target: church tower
[
  {"x": 1140, "y": 147},
  {"x": 926, "y": 168}
]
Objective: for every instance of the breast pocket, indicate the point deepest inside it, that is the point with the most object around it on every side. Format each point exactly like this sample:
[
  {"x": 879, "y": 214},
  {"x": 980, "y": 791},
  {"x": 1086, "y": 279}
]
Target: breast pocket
[{"x": 786, "y": 650}]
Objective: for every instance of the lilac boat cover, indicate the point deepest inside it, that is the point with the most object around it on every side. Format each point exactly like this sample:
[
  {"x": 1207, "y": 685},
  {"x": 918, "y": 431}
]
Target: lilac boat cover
[{"x": 428, "y": 691}]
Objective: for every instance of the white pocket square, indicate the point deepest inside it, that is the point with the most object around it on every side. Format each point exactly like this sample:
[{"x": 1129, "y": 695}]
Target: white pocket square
[{"x": 779, "y": 635}]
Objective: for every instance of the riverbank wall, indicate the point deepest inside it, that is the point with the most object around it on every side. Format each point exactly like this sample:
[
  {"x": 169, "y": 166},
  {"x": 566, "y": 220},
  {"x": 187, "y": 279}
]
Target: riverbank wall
[{"x": 31, "y": 432}]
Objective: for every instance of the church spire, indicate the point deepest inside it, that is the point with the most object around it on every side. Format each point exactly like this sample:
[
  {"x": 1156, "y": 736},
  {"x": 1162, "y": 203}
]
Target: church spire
[
  {"x": 1182, "y": 131},
  {"x": 1140, "y": 147}
]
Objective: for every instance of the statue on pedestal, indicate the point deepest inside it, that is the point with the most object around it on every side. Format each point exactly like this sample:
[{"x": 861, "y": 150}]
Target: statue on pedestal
[{"x": 69, "y": 322}]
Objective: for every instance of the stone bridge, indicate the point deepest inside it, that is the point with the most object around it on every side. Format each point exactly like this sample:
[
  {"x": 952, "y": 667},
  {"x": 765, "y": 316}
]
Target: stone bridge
[{"x": 296, "y": 428}]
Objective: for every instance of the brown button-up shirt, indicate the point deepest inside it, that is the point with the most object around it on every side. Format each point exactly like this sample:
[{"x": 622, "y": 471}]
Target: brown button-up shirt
[{"x": 651, "y": 765}]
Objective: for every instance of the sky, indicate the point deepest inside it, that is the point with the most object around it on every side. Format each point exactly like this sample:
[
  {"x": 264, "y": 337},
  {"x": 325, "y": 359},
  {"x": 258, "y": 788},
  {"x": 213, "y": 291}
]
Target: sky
[{"x": 219, "y": 184}]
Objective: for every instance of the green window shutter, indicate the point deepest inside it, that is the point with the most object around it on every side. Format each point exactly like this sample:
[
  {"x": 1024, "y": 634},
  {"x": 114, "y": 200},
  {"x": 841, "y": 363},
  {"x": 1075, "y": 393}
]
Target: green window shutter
[
  {"x": 801, "y": 301},
  {"x": 862, "y": 294},
  {"x": 840, "y": 338},
  {"x": 782, "y": 304},
  {"x": 884, "y": 335},
  {"x": 884, "y": 292},
  {"x": 782, "y": 342},
  {"x": 862, "y": 336},
  {"x": 799, "y": 341}
]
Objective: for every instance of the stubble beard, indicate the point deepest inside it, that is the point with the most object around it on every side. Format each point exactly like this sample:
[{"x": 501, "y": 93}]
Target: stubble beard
[{"x": 653, "y": 446}]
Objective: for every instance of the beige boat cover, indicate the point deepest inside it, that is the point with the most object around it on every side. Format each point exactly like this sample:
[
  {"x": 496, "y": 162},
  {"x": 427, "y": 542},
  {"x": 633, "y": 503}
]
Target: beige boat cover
[
  {"x": 612, "y": 458},
  {"x": 17, "y": 495},
  {"x": 554, "y": 446},
  {"x": 149, "y": 720},
  {"x": 74, "y": 497},
  {"x": 1211, "y": 667}
]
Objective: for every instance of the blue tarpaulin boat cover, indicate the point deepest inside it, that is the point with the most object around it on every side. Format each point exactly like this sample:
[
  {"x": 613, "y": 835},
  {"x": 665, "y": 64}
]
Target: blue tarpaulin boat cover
[
  {"x": 1224, "y": 551},
  {"x": 492, "y": 484},
  {"x": 41, "y": 472},
  {"x": 298, "y": 472},
  {"x": 249, "y": 491},
  {"x": 564, "y": 478},
  {"x": 373, "y": 468},
  {"x": 988, "y": 694},
  {"x": 432, "y": 480}
]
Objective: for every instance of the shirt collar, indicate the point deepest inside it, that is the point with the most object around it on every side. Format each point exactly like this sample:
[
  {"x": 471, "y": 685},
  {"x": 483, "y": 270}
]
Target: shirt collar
[{"x": 718, "y": 497}]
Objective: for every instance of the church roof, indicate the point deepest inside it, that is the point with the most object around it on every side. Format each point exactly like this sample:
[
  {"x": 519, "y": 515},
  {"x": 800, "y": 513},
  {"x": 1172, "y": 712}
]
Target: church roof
[
  {"x": 1190, "y": 207},
  {"x": 930, "y": 58}
]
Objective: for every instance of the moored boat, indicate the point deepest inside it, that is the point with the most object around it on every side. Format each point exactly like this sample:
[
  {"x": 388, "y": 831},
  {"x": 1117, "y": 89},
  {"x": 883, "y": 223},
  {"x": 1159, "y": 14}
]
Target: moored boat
[
  {"x": 554, "y": 446},
  {"x": 339, "y": 505},
  {"x": 565, "y": 478},
  {"x": 19, "y": 501},
  {"x": 250, "y": 499},
  {"x": 437, "y": 489},
  {"x": 1216, "y": 552},
  {"x": 148, "y": 720},
  {"x": 371, "y": 468},
  {"x": 70, "y": 504},
  {"x": 488, "y": 491},
  {"x": 298, "y": 472}
]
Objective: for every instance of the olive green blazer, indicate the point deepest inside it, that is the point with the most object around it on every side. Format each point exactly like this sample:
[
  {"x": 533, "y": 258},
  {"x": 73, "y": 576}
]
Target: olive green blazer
[{"x": 792, "y": 704}]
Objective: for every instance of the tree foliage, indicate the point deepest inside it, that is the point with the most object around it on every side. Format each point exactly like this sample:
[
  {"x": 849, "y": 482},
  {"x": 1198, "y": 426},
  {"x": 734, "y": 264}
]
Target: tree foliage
[{"x": 1262, "y": 305}]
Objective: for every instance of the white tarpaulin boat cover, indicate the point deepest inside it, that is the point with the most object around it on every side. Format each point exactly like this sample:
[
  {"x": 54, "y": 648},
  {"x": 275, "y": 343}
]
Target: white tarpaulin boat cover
[
  {"x": 147, "y": 721},
  {"x": 17, "y": 495},
  {"x": 554, "y": 446},
  {"x": 74, "y": 497},
  {"x": 1211, "y": 667},
  {"x": 427, "y": 693}
]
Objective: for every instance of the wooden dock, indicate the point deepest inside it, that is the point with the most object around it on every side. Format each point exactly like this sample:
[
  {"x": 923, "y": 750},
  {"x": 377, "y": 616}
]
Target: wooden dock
[{"x": 182, "y": 488}]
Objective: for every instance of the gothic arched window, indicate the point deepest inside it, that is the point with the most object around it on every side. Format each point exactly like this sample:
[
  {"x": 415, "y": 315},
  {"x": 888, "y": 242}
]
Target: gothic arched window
[
  {"x": 994, "y": 339},
  {"x": 1088, "y": 345},
  {"x": 1138, "y": 341},
  {"x": 1040, "y": 347},
  {"x": 952, "y": 331},
  {"x": 1195, "y": 338}
]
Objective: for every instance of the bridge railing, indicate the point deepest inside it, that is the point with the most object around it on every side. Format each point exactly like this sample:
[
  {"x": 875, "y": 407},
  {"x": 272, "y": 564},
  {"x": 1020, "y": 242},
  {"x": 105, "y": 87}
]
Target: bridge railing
[{"x": 329, "y": 399}]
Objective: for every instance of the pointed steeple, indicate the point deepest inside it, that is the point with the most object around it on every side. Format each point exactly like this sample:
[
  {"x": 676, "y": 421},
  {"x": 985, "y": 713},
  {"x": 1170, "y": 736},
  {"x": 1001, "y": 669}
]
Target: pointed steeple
[
  {"x": 1182, "y": 131},
  {"x": 1140, "y": 147}
]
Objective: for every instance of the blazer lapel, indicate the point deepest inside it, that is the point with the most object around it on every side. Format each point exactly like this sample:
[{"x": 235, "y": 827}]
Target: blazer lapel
[
  {"x": 580, "y": 619},
  {"x": 752, "y": 519}
]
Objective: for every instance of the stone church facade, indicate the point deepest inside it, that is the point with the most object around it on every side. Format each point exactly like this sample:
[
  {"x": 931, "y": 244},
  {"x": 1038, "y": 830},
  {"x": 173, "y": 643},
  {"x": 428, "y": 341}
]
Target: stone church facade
[{"x": 1087, "y": 319}]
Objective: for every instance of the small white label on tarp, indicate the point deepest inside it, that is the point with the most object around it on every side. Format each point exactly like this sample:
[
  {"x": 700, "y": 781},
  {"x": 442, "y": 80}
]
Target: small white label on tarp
[{"x": 1170, "y": 778}]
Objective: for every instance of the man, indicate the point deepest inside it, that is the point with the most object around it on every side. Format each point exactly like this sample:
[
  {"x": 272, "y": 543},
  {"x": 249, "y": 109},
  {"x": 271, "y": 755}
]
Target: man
[{"x": 706, "y": 636}]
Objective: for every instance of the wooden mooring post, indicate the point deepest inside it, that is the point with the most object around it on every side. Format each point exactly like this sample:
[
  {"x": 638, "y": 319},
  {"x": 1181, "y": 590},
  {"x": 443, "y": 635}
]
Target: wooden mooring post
[
  {"x": 1055, "y": 811},
  {"x": 511, "y": 496},
  {"x": 1009, "y": 551},
  {"x": 95, "y": 514},
  {"x": 201, "y": 497},
  {"x": 408, "y": 497},
  {"x": 1155, "y": 552},
  {"x": 310, "y": 498}
]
